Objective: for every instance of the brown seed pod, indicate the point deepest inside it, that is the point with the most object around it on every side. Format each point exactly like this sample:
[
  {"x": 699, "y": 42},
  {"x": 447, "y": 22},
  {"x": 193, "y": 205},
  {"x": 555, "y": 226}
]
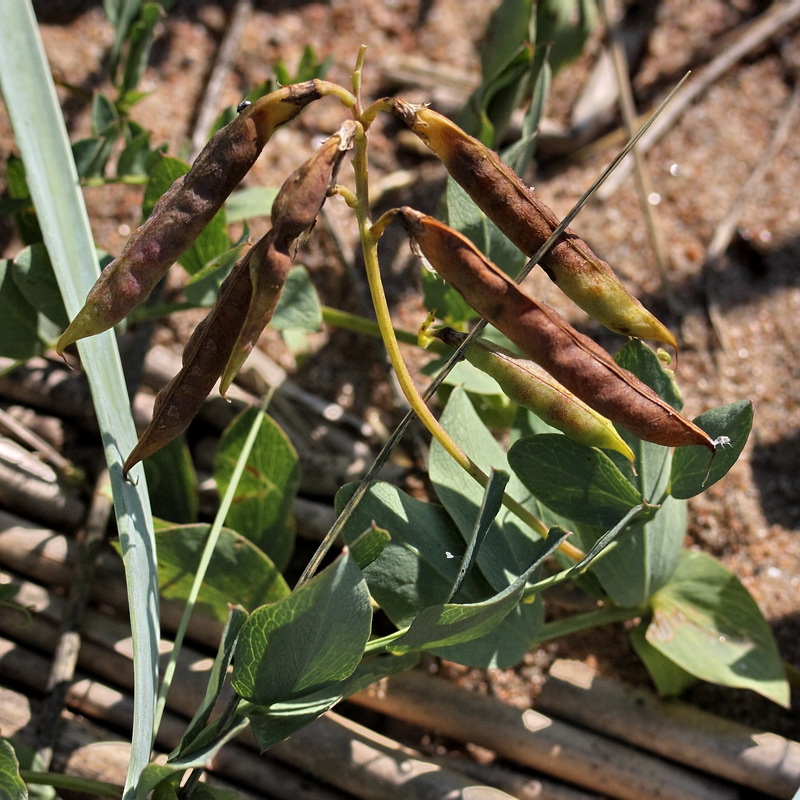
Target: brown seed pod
[
  {"x": 521, "y": 215},
  {"x": 573, "y": 359},
  {"x": 207, "y": 351},
  {"x": 527, "y": 384},
  {"x": 185, "y": 209},
  {"x": 294, "y": 212}
]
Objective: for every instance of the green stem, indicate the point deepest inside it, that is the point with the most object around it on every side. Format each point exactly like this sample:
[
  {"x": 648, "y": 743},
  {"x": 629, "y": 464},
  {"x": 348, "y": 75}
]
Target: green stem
[
  {"x": 72, "y": 783},
  {"x": 358, "y": 324},
  {"x": 205, "y": 560},
  {"x": 581, "y": 622}
]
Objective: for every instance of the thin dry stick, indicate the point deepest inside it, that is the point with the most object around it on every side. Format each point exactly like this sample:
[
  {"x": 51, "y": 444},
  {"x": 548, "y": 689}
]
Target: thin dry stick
[
  {"x": 675, "y": 730},
  {"x": 22, "y": 433},
  {"x": 727, "y": 226},
  {"x": 536, "y": 741},
  {"x": 644, "y": 181},
  {"x": 222, "y": 68},
  {"x": 65, "y": 657},
  {"x": 771, "y": 22}
]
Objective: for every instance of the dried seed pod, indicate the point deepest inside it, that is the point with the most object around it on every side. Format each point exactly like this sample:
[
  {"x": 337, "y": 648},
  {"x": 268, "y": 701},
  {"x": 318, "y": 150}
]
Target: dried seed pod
[
  {"x": 298, "y": 203},
  {"x": 207, "y": 351},
  {"x": 185, "y": 209},
  {"x": 526, "y": 383},
  {"x": 294, "y": 212},
  {"x": 521, "y": 215},
  {"x": 573, "y": 359}
]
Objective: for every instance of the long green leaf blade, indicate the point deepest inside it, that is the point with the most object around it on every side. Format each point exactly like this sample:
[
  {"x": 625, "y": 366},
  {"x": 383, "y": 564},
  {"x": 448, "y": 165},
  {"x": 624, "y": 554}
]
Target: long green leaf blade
[{"x": 33, "y": 108}]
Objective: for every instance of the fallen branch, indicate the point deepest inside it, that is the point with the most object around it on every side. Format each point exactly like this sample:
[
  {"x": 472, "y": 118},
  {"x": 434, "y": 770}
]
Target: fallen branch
[
  {"x": 534, "y": 740},
  {"x": 756, "y": 759}
]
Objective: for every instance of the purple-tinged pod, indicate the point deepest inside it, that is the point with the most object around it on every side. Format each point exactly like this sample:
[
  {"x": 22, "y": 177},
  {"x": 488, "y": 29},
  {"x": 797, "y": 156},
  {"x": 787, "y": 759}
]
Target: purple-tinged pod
[
  {"x": 574, "y": 360},
  {"x": 185, "y": 209},
  {"x": 294, "y": 212}
]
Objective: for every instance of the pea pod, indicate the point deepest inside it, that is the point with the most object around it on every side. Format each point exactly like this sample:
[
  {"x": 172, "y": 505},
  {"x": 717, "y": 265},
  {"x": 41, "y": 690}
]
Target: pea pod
[
  {"x": 185, "y": 209},
  {"x": 206, "y": 352},
  {"x": 527, "y": 384},
  {"x": 294, "y": 212},
  {"x": 521, "y": 215},
  {"x": 246, "y": 301},
  {"x": 574, "y": 360}
]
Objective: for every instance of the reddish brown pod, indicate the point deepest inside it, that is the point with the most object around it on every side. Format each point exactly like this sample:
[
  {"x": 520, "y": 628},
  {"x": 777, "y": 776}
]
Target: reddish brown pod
[
  {"x": 185, "y": 209},
  {"x": 522, "y": 216},
  {"x": 577, "y": 362}
]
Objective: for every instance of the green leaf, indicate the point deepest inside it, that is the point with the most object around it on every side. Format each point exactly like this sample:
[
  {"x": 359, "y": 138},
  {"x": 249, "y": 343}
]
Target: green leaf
[
  {"x": 23, "y": 212},
  {"x": 173, "y": 482},
  {"x": 509, "y": 546},
  {"x": 253, "y": 201},
  {"x": 306, "y": 641},
  {"x": 43, "y": 143},
  {"x": 263, "y": 501},
  {"x": 298, "y": 307},
  {"x": 645, "y": 558},
  {"x": 492, "y": 501},
  {"x": 12, "y": 787},
  {"x": 140, "y": 43},
  {"x": 237, "y": 617},
  {"x": 648, "y": 367},
  {"x": 19, "y": 322},
  {"x": 709, "y": 625},
  {"x": 581, "y": 483},
  {"x": 238, "y": 573},
  {"x": 275, "y": 723},
  {"x": 417, "y": 568},
  {"x": 367, "y": 547},
  {"x": 669, "y": 679},
  {"x": 455, "y": 623},
  {"x": 213, "y": 239},
  {"x": 34, "y": 276},
  {"x": 105, "y": 119},
  {"x": 134, "y": 159},
  {"x": 694, "y": 469}
]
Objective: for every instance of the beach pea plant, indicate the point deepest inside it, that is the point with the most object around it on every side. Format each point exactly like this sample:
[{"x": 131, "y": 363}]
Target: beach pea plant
[{"x": 589, "y": 487}]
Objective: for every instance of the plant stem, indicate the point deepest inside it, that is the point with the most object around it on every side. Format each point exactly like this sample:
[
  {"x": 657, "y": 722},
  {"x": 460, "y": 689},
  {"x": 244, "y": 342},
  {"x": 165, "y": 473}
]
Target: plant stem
[
  {"x": 72, "y": 783},
  {"x": 580, "y": 622},
  {"x": 358, "y": 324}
]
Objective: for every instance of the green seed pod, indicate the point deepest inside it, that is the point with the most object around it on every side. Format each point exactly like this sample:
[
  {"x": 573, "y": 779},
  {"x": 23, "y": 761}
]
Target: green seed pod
[
  {"x": 185, "y": 209},
  {"x": 574, "y": 360},
  {"x": 527, "y": 384},
  {"x": 521, "y": 215}
]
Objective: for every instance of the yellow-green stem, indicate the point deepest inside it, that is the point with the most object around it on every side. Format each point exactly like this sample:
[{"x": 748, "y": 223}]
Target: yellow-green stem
[{"x": 369, "y": 244}]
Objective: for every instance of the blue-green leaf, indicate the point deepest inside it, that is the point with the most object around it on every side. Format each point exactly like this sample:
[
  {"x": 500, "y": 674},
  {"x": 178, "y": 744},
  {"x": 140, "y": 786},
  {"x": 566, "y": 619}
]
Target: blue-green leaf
[
  {"x": 298, "y": 307},
  {"x": 417, "y": 569},
  {"x": 306, "y": 641},
  {"x": 509, "y": 546},
  {"x": 263, "y": 501},
  {"x": 693, "y": 468},
  {"x": 578, "y": 482},
  {"x": 12, "y": 786},
  {"x": 239, "y": 572},
  {"x": 709, "y": 625}
]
